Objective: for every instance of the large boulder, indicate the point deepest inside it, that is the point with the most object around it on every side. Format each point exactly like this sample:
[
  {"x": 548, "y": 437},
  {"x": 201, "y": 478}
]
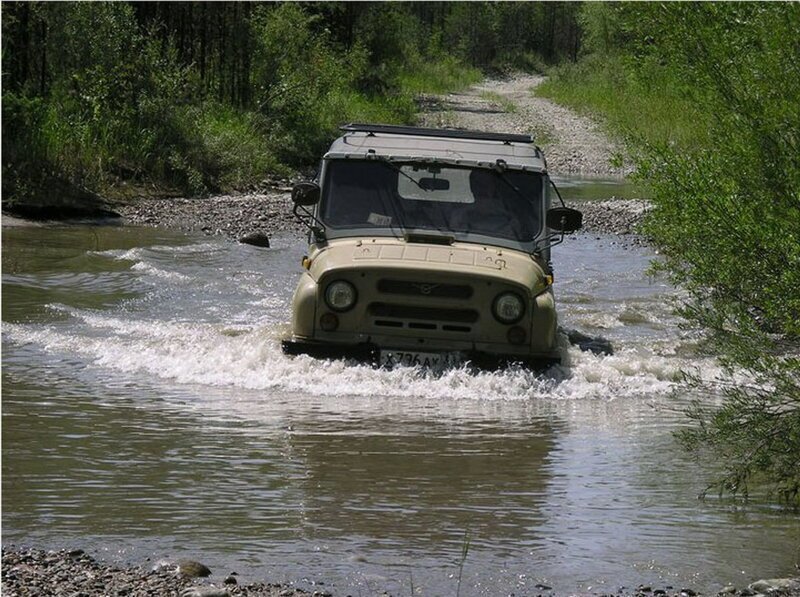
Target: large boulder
[{"x": 257, "y": 239}]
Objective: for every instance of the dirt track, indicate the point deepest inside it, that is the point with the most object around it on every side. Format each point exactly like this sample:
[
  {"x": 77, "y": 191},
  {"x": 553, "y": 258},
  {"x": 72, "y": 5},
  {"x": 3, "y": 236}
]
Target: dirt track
[{"x": 572, "y": 143}]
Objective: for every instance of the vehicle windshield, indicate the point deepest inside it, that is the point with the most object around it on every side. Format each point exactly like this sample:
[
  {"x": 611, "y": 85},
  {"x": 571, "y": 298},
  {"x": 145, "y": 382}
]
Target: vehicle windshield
[{"x": 380, "y": 194}]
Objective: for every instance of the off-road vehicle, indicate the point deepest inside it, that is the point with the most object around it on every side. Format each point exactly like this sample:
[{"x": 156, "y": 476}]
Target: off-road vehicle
[{"x": 429, "y": 247}]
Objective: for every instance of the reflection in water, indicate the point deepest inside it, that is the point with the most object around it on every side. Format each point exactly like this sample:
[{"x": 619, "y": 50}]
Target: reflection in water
[
  {"x": 420, "y": 486},
  {"x": 148, "y": 412}
]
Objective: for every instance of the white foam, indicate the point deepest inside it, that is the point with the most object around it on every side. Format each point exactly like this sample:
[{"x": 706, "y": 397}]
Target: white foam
[
  {"x": 138, "y": 253},
  {"x": 201, "y": 353},
  {"x": 147, "y": 268}
]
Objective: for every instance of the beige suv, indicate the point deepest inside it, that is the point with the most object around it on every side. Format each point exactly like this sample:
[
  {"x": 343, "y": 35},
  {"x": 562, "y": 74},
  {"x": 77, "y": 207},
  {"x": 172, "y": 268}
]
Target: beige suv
[{"x": 429, "y": 247}]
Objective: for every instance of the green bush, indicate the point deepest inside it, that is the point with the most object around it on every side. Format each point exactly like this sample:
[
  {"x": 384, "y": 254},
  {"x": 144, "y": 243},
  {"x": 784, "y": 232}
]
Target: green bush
[
  {"x": 209, "y": 99},
  {"x": 708, "y": 96}
]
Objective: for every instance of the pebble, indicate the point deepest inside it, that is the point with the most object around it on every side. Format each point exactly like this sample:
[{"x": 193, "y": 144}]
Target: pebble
[
  {"x": 204, "y": 592},
  {"x": 776, "y": 585}
]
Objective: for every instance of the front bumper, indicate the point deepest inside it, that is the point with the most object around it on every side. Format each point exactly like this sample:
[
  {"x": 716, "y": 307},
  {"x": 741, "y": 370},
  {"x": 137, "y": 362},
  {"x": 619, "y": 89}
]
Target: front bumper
[{"x": 370, "y": 353}]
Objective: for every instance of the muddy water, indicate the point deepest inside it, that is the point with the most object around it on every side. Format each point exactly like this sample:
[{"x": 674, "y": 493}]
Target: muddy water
[{"x": 148, "y": 412}]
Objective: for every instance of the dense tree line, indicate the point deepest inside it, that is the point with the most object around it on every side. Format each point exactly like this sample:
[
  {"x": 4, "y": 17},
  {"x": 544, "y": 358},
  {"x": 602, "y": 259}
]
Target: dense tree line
[{"x": 211, "y": 95}]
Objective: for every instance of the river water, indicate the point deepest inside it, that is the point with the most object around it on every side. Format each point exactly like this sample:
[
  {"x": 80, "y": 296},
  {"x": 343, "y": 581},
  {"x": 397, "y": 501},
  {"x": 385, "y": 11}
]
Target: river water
[{"x": 148, "y": 413}]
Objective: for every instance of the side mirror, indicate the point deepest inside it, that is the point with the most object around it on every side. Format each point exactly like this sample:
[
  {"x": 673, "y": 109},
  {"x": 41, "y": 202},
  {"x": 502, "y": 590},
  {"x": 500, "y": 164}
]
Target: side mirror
[
  {"x": 564, "y": 219},
  {"x": 306, "y": 194}
]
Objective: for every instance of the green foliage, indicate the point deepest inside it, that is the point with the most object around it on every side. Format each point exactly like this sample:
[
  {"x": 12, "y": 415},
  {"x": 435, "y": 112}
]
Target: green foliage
[
  {"x": 209, "y": 96},
  {"x": 438, "y": 75},
  {"x": 728, "y": 216},
  {"x": 205, "y": 97},
  {"x": 308, "y": 87},
  {"x": 708, "y": 96}
]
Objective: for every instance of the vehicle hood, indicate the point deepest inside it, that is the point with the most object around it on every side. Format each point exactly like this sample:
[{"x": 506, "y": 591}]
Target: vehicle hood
[{"x": 501, "y": 264}]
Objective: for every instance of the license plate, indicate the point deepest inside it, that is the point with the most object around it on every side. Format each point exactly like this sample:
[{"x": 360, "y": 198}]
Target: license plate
[{"x": 408, "y": 358}]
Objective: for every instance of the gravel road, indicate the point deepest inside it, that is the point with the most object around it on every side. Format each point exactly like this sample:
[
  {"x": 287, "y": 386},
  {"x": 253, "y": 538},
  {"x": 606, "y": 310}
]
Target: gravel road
[{"x": 573, "y": 144}]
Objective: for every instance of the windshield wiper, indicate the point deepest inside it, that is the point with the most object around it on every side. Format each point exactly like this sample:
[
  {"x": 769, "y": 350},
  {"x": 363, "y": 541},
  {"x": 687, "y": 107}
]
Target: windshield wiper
[{"x": 500, "y": 169}]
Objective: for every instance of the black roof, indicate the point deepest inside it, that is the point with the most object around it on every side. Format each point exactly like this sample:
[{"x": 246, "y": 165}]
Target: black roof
[{"x": 392, "y": 129}]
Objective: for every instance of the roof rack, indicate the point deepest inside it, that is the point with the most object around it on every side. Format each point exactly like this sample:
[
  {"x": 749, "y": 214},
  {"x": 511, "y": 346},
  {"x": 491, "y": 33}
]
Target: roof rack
[{"x": 392, "y": 129}]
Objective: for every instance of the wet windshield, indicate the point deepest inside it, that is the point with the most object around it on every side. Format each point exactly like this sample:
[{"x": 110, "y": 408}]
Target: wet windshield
[{"x": 380, "y": 194}]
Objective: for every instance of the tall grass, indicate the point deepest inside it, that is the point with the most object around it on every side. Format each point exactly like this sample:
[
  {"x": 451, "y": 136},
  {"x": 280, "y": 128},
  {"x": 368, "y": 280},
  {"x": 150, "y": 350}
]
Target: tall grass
[
  {"x": 651, "y": 109},
  {"x": 437, "y": 75},
  {"x": 503, "y": 102}
]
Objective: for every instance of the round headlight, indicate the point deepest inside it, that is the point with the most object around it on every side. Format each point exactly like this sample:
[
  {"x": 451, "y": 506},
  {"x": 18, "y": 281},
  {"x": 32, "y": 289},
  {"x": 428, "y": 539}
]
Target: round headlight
[
  {"x": 340, "y": 295},
  {"x": 508, "y": 307}
]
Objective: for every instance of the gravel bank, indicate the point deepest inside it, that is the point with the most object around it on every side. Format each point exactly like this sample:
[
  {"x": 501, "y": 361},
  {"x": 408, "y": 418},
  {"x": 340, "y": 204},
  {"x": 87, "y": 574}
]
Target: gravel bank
[
  {"x": 615, "y": 216},
  {"x": 232, "y": 216},
  {"x": 73, "y": 573},
  {"x": 37, "y": 573}
]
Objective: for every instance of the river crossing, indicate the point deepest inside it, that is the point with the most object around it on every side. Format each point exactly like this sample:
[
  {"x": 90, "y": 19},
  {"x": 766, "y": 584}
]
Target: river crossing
[{"x": 148, "y": 413}]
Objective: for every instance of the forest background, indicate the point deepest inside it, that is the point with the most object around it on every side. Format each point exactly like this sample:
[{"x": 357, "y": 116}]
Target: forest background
[
  {"x": 132, "y": 98},
  {"x": 209, "y": 96}
]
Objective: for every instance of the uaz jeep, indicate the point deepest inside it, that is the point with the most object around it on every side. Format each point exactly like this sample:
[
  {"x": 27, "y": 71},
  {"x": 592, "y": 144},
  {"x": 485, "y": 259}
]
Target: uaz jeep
[{"x": 429, "y": 247}]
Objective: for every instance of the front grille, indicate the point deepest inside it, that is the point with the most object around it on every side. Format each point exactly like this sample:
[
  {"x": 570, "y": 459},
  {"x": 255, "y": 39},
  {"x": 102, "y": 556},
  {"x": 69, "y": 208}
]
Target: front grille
[
  {"x": 415, "y": 313},
  {"x": 457, "y": 291}
]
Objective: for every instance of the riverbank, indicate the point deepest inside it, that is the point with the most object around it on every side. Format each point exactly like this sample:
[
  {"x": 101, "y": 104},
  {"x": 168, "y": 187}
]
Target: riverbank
[
  {"x": 35, "y": 572},
  {"x": 234, "y": 216}
]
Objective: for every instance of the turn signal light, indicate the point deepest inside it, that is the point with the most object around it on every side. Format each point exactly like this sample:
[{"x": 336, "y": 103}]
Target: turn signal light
[
  {"x": 516, "y": 335},
  {"x": 329, "y": 322}
]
